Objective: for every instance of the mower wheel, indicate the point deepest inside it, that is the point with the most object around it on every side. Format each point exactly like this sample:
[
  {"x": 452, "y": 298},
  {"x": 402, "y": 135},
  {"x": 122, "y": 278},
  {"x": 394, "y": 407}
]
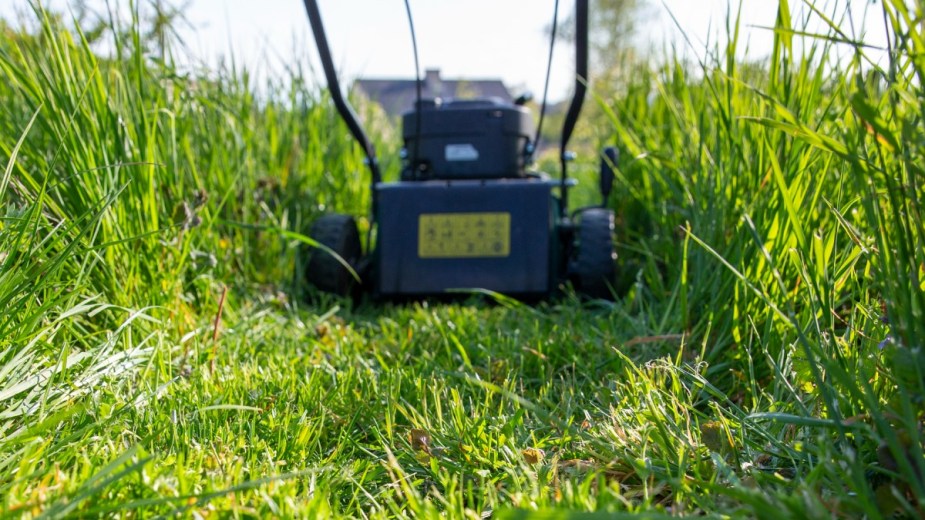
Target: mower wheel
[
  {"x": 595, "y": 257},
  {"x": 325, "y": 271}
]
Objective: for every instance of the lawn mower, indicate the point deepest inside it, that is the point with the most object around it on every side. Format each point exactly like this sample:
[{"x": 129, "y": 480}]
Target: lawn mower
[{"x": 468, "y": 213}]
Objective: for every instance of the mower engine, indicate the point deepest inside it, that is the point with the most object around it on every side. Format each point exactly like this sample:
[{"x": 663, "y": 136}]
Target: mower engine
[
  {"x": 466, "y": 215},
  {"x": 466, "y": 139}
]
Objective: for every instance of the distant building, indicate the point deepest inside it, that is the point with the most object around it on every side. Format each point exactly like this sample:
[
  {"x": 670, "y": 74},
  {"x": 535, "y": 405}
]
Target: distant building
[{"x": 396, "y": 96}]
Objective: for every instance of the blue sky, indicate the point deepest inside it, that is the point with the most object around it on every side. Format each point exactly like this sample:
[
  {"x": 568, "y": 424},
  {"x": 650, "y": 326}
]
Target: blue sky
[{"x": 469, "y": 39}]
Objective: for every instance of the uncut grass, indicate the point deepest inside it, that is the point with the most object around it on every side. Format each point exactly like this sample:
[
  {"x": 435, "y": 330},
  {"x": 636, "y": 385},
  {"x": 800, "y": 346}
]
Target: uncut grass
[
  {"x": 107, "y": 221},
  {"x": 169, "y": 143},
  {"x": 793, "y": 179},
  {"x": 740, "y": 375}
]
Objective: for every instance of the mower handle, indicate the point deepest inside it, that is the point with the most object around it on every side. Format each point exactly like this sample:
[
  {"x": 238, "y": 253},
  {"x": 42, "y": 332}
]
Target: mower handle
[
  {"x": 578, "y": 98},
  {"x": 343, "y": 107}
]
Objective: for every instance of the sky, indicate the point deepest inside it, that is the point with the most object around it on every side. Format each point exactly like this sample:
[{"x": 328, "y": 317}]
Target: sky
[{"x": 467, "y": 39}]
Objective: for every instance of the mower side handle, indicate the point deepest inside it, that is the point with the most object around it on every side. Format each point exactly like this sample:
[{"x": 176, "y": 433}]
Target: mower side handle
[
  {"x": 581, "y": 82},
  {"x": 343, "y": 107}
]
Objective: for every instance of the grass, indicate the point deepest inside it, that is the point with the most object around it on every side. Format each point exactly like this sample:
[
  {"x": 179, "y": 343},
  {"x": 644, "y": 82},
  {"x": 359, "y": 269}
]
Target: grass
[{"x": 157, "y": 356}]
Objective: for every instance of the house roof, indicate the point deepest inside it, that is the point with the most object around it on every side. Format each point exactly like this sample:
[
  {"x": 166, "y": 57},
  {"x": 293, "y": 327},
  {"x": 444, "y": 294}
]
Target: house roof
[{"x": 397, "y": 96}]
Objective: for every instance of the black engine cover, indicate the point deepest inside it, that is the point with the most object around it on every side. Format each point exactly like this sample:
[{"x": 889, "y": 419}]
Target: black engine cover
[{"x": 466, "y": 139}]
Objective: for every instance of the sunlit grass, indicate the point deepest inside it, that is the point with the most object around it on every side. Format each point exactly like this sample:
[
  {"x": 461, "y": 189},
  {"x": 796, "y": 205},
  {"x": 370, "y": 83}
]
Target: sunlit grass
[{"x": 157, "y": 355}]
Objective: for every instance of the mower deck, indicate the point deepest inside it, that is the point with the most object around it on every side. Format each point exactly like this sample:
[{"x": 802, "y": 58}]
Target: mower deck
[{"x": 436, "y": 236}]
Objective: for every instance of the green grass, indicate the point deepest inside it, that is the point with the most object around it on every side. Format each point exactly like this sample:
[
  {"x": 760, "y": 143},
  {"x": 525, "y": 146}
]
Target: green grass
[{"x": 157, "y": 356}]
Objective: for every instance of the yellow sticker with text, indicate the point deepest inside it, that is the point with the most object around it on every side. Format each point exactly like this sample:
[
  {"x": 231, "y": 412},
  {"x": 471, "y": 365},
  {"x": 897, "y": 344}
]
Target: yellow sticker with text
[{"x": 464, "y": 235}]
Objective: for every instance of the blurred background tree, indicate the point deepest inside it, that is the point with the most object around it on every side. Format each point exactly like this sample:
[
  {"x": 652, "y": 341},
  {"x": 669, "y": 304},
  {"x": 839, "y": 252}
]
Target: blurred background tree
[
  {"x": 612, "y": 26},
  {"x": 614, "y": 54}
]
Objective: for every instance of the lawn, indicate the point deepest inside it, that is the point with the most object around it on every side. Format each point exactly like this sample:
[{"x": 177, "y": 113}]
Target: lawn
[{"x": 160, "y": 354}]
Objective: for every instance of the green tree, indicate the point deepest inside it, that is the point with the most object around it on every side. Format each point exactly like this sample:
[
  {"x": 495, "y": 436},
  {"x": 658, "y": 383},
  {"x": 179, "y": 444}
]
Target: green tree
[
  {"x": 613, "y": 55},
  {"x": 163, "y": 20},
  {"x": 612, "y": 26}
]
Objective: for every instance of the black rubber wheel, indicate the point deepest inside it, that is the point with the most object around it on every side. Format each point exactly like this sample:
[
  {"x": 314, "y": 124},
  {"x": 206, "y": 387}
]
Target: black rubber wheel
[
  {"x": 595, "y": 255},
  {"x": 324, "y": 271}
]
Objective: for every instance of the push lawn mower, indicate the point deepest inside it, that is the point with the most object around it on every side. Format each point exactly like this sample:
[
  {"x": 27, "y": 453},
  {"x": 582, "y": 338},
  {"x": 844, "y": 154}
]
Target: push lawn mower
[{"x": 468, "y": 212}]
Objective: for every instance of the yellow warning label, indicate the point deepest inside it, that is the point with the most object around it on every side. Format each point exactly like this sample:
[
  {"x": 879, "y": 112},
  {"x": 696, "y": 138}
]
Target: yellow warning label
[{"x": 464, "y": 235}]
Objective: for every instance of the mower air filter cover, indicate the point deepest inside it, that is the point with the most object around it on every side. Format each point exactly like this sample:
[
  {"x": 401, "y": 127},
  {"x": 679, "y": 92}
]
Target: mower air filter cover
[{"x": 466, "y": 139}]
